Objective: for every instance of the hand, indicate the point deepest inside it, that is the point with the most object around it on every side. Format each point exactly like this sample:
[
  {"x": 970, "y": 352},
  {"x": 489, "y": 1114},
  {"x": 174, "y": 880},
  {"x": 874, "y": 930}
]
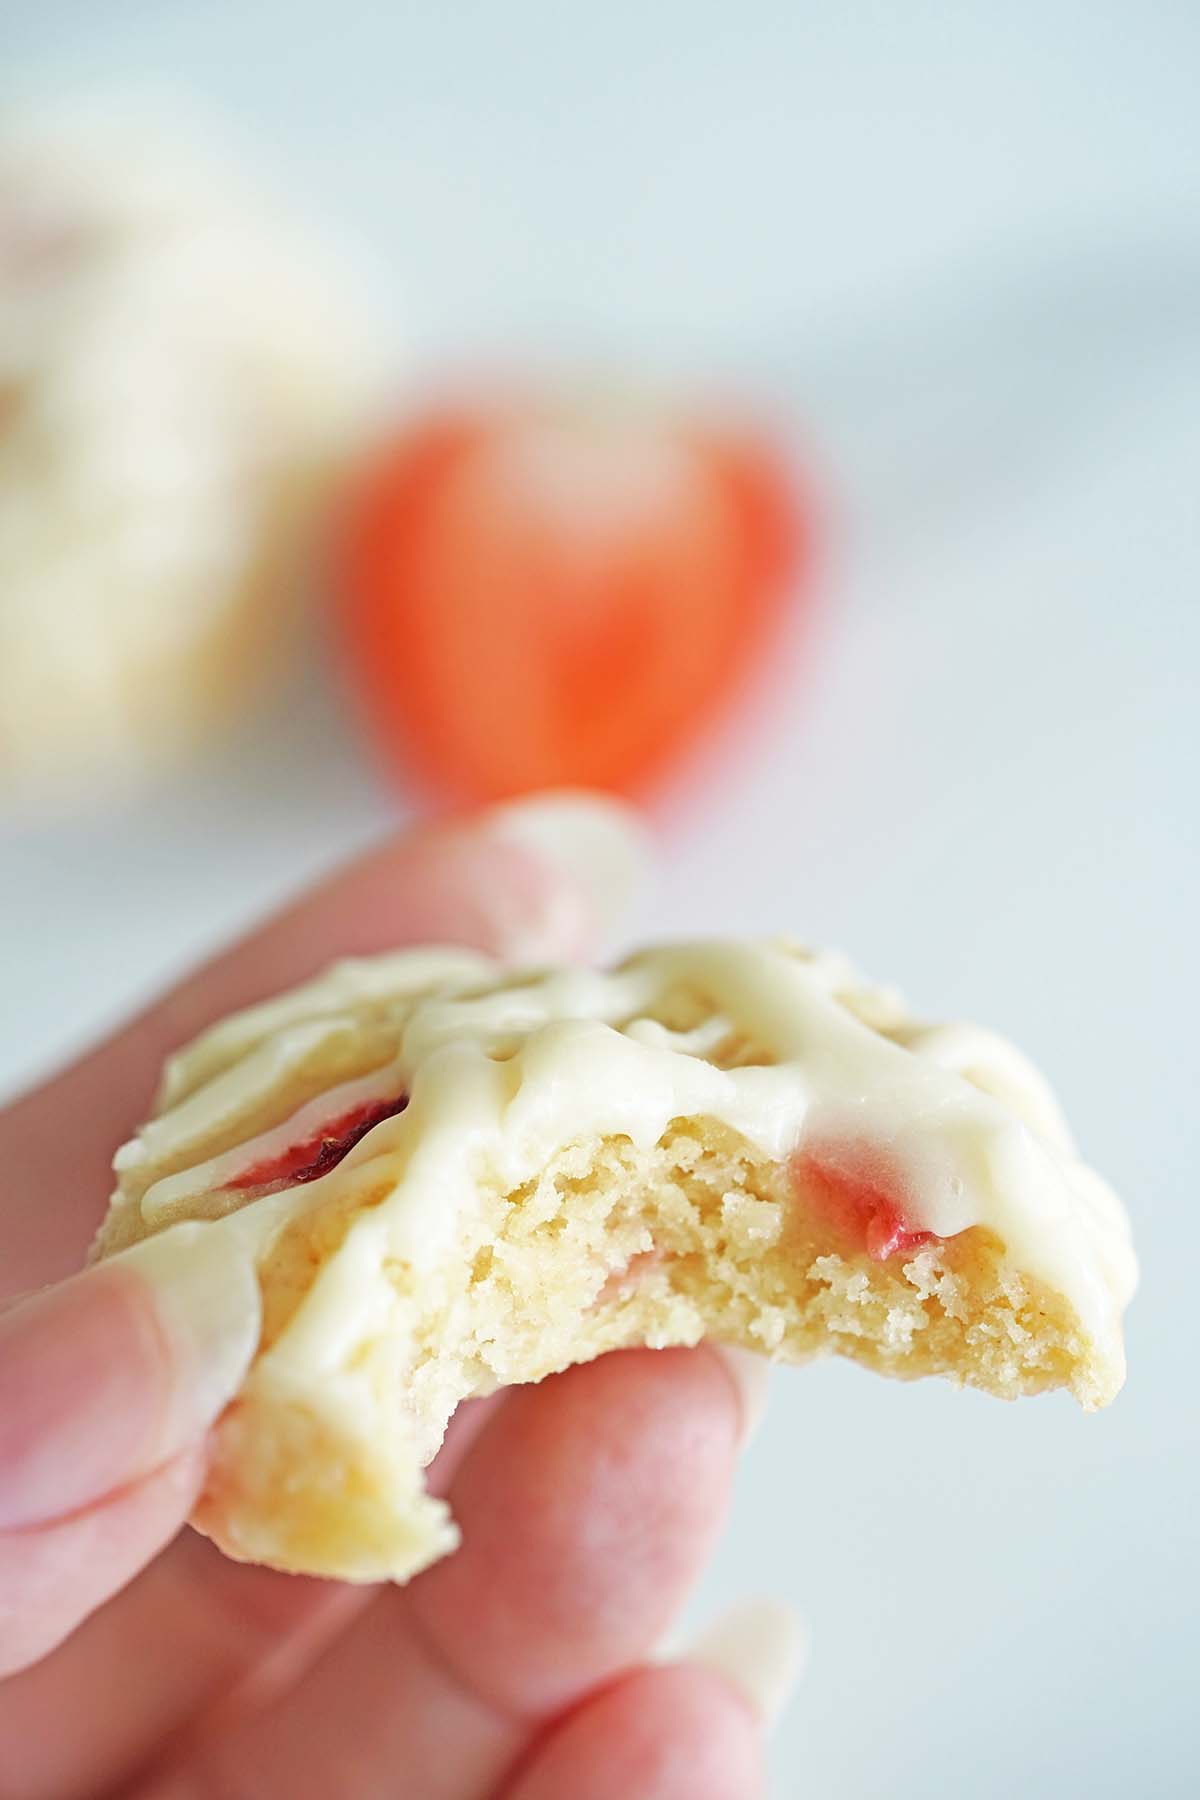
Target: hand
[{"x": 588, "y": 1503}]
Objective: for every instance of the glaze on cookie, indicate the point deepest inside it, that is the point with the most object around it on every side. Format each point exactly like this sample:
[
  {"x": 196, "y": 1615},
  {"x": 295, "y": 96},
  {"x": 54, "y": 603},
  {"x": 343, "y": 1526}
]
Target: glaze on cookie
[{"x": 452, "y": 1176}]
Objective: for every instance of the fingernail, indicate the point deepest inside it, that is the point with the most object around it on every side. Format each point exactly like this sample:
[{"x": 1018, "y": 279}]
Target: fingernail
[
  {"x": 751, "y": 1376},
  {"x": 598, "y": 844},
  {"x": 209, "y": 1308},
  {"x": 759, "y": 1646},
  {"x": 111, "y": 1373}
]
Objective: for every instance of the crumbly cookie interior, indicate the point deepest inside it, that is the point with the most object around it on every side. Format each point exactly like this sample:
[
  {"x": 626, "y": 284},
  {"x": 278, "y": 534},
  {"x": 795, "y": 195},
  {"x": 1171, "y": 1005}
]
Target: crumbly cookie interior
[{"x": 611, "y": 1246}]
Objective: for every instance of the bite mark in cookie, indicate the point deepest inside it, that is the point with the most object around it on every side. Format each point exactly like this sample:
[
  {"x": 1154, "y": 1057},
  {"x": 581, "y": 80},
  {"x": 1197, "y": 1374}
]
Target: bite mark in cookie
[{"x": 454, "y": 1176}]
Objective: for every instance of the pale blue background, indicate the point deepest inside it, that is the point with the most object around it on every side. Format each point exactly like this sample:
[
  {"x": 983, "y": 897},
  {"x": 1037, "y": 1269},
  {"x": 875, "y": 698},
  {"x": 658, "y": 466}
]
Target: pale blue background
[{"x": 957, "y": 247}]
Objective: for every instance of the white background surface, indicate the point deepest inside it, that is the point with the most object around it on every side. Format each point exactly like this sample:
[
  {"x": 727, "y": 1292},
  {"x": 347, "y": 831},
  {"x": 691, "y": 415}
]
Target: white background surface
[{"x": 957, "y": 248}]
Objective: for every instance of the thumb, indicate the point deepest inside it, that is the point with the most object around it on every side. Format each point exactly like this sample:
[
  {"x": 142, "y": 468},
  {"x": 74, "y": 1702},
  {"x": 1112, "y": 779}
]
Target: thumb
[
  {"x": 109, "y": 1375},
  {"x": 108, "y": 1385}
]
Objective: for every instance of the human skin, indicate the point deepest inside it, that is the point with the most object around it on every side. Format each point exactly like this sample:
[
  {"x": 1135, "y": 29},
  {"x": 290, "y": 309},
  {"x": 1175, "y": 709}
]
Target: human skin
[{"x": 141, "y": 1662}]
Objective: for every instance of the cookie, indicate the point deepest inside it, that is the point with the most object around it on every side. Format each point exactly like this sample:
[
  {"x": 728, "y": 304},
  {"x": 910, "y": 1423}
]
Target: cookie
[
  {"x": 453, "y": 1176},
  {"x": 181, "y": 378}
]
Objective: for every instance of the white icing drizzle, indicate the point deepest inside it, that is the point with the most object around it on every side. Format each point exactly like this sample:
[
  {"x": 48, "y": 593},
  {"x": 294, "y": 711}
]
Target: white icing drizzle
[{"x": 504, "y": 1070}]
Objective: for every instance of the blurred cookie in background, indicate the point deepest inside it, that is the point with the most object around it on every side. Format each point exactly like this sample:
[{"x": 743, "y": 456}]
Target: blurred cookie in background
[{"x": 182, "y": 373}]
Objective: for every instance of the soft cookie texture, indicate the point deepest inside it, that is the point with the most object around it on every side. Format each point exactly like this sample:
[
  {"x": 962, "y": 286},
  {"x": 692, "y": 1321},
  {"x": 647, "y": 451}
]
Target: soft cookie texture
[{"x": 451, "y": 1176}]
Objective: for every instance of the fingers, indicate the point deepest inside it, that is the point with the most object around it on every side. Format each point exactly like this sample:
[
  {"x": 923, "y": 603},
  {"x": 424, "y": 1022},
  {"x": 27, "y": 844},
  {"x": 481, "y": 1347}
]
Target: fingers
[
  {"x": 237, "y": 1637},
  {"x": 54, "y": 1577},
  {"x": 689, "y": 1731},
  {"x": 670, "y": 1733},
  {"x": 193, "y": 1636},
  {"x": 538, "y": 879},
  {"x": 107, "y": 1385},
  {"x": 588, "y": 1505},
  {"x": 587, "y": 1511},
  {"x": 535, "y": 880}
]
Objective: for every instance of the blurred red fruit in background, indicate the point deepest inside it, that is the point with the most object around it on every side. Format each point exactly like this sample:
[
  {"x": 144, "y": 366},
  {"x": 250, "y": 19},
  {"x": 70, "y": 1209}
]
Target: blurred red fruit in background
[{"x": 540, "y": 598}]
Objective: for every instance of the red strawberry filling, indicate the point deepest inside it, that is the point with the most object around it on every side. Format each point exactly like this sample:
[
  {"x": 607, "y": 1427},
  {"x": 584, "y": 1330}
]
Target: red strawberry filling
[
  {"x": 853, "y": 1188},
  {"x": 320, "y": 1152}
]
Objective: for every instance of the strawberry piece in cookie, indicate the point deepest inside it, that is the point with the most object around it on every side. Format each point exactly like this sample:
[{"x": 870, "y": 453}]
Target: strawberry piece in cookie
[
  {"x": 319, "y": 1153},
  {"x": 855, "y": 1190}
]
